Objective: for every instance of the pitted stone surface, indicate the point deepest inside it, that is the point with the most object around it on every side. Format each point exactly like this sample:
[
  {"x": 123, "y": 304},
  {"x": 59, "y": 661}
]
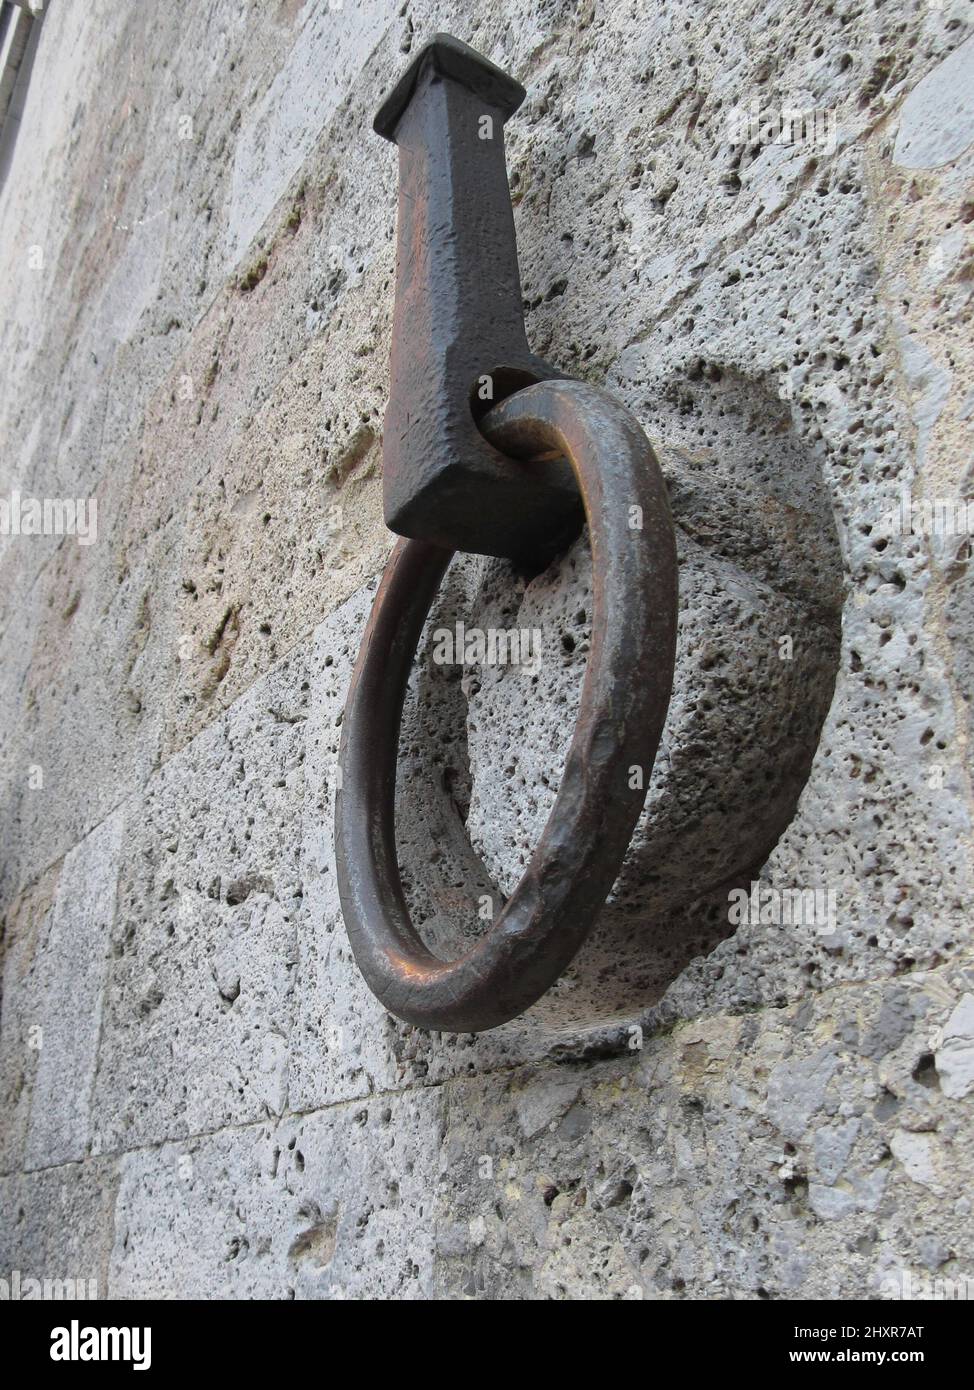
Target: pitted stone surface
[
  {"x": 199, "y": 995},
  {"x": 58, "y": 1229},
  {"x": 336, "y": 1205},
  {"x": 699, "y": 1108},
  {"x": 73, "y": 967},
  {"x": 22, "y": 1019},
  {"x": 763, "y": 1157},
  {"x": 743, "y": 722}
]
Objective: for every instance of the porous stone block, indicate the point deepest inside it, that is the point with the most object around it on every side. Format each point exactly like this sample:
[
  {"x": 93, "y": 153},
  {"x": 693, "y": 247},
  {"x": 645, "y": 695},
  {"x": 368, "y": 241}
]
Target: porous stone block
[
  {"x": 73, "y": 960},
  {"x": 336, "y": 1205},
  {"x": 770, "y": 1155},
  {"x": 26, "y": 927},
  {"x": 199, "y": 994},
  {"x": 57, "y": 1229}
]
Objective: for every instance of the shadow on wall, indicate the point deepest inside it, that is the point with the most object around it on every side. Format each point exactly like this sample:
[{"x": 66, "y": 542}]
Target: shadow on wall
[{"x": 483, "y": 745}]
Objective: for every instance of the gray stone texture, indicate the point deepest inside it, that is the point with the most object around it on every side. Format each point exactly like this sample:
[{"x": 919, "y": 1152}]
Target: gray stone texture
[{"x": 200, "y": 1096}]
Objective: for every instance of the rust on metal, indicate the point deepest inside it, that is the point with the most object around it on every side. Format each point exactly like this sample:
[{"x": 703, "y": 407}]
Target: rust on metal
[{"x": 624, "y": 699}]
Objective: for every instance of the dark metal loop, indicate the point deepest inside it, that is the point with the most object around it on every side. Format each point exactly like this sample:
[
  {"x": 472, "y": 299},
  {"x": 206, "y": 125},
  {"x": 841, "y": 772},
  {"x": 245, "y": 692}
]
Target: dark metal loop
[{"x": 624, "y": 698}]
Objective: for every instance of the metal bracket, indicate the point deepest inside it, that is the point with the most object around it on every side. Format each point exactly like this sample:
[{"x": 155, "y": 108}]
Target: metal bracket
[{"x": 459, "y": 344}]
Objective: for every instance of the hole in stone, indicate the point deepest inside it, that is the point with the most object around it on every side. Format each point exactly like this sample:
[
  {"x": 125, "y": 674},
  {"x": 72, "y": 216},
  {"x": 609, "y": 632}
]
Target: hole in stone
[{"x": 925, "y": 1072}]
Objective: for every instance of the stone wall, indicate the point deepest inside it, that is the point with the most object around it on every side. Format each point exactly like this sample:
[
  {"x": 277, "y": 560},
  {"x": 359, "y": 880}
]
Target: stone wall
[{"x": 200, "y": 1096}]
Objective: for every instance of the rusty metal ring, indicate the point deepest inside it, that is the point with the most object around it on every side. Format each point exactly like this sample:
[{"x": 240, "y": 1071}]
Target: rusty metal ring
[{"x": 624, "y": 699}]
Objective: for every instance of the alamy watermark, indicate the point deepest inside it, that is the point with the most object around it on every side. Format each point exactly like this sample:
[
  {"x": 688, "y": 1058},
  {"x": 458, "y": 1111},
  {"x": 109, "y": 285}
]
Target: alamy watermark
[
  {"x": 763, "y": 905},
  {"x": 812, "y": 128},
  {"x": 928, "y": 516},
  {"x": 492, "y": 646},
  {"x": 19, "y": 1288},
  {"x": 77, "y": 1343},
  {"x": 49, "y": 516},
  {"x": 939, "y": 1289}
]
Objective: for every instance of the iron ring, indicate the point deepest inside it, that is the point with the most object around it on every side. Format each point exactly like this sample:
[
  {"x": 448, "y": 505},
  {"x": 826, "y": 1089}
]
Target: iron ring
[{"x": 624, "y": 699}]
